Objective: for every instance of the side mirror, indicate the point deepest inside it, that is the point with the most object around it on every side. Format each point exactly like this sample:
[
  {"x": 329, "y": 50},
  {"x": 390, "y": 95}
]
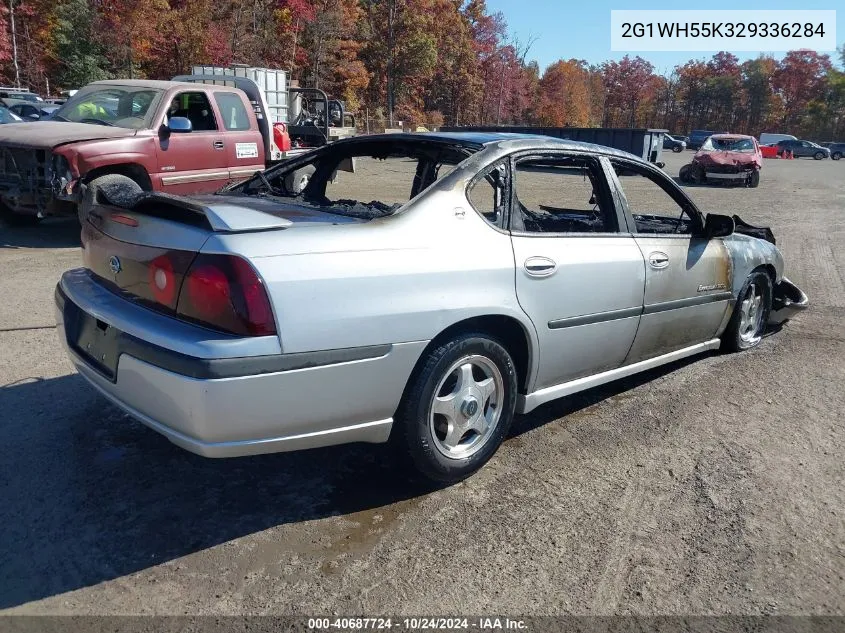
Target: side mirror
[
  {"x": 177, "y": 125},
  {"x": 716, "y": 225},
  {"x": 180, "y": 125}
]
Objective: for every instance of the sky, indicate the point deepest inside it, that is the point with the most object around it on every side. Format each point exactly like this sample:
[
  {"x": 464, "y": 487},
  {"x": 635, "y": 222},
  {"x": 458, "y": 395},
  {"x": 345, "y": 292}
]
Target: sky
[{"x": 581, "y": 28}]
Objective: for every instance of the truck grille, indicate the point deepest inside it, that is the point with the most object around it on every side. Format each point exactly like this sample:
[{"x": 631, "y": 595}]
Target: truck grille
[{"x": 28, "y": 169}]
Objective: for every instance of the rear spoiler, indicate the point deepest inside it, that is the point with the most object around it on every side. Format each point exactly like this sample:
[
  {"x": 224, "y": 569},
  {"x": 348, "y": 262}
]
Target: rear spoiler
[{"x": 220, "y": 218}]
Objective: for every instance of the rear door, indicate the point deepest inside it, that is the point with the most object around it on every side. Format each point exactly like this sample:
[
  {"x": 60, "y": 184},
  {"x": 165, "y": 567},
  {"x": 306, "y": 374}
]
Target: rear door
[
  {"x": 195, "y": 161},
  {"x": 244, "y": 145},
  {"x": 579, "y": 272},
  {"x": 687, "y": 278}
]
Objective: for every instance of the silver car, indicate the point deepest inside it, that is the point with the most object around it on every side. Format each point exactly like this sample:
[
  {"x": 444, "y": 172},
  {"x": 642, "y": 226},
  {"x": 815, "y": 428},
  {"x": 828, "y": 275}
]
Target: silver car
[{"x": 417, "y": 289}]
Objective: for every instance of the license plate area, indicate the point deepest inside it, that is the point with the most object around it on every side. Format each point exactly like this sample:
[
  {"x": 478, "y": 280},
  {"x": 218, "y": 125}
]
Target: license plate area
[{"x": 94, "y": 340}]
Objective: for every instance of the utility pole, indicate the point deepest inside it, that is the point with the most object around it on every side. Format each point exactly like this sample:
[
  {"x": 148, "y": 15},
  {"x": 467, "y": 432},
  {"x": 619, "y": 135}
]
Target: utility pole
[
  {"x": 14, "y": 43},
  {"x": 501, "y": 90},
  {"x": 391, "y": 62}
]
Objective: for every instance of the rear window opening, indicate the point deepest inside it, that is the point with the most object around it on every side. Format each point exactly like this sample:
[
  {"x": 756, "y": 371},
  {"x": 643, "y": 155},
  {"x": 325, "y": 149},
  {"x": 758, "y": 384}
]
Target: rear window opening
[
  {"x": 361, "y": 182},
  {"x": 561, "y": 195}
]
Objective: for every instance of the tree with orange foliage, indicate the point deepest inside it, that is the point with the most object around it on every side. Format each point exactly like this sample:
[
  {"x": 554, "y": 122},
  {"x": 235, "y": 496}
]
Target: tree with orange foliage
[{"x": 565, "y": 97}]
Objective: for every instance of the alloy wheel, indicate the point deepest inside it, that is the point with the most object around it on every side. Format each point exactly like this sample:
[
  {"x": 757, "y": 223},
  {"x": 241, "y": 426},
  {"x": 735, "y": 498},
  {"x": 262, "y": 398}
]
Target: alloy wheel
[
  {"x": 751, "y": 315},
  {"x": 466, "y": 407}
]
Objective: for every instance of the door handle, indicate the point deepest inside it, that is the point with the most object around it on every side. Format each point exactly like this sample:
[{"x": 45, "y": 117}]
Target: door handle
[
  {"x": 658, "y": 260},
  {"x": 218, "y": 144},
  {"x": 540, "y": 266}
]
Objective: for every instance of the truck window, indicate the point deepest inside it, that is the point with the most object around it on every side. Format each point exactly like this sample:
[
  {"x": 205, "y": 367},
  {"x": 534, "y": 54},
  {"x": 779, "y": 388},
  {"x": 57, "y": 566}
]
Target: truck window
[
  {"x": 195, "y": 107},
  {"x": 235, "y": 117}
]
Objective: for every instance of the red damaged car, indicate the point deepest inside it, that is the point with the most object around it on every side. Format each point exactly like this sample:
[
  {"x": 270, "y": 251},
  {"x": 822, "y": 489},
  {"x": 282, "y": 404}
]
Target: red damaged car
[{"x": 732, "y": 158}]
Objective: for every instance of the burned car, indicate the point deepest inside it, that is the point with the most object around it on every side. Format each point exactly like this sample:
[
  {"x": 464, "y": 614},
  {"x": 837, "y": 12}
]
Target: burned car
[
  {"x": 733, "y": 158},
  {"x": 419, "y": 290}
]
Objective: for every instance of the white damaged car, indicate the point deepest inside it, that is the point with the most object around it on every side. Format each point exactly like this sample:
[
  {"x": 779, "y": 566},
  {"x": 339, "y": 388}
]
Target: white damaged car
[{"x": 419, "y": 289}]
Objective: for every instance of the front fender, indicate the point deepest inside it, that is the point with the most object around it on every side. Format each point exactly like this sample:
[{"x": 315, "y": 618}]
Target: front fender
[
  {"x": 746, "y": 254},
  {"x": 87, "y": 164}
]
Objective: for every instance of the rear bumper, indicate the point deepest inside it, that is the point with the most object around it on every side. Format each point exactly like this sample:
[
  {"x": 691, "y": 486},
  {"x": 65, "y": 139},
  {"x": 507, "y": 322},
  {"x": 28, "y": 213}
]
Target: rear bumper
[
  {"x": 788, "y": 301},
  {"x": 249, "y": 407}
]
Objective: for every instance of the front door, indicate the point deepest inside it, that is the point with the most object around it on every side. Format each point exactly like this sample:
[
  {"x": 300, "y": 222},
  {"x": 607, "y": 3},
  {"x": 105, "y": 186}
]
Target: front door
[
  {"x": 578, "y": 277},
  {"x": 195, "y": 161},
  {"x": 687, "y": 277}
]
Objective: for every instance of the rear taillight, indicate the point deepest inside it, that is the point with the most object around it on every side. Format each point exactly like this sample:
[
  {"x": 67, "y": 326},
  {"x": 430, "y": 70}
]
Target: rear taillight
[{"x": 225, "y": 293}]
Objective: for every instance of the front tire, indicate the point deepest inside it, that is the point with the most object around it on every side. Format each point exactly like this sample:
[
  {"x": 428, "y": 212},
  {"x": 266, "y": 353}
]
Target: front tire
[
  {"x": 818, "y": 155},
  {"x": 457, "y": 408},
  {"x": 115, "y": 189},
  {"x": 677, "y": 149},
  {"x": 751, "y": 314},
  {"x": 754, "y": 179}
]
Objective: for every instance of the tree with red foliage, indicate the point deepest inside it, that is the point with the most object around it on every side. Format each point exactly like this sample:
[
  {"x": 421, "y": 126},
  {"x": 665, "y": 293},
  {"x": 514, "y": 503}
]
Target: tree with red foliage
[{"x": 800, "y": 77}]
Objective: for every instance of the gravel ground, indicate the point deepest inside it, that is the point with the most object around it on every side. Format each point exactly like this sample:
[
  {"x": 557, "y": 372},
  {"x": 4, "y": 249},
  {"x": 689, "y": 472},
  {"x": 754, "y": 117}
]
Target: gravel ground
[{"x": 713, "y": 486}]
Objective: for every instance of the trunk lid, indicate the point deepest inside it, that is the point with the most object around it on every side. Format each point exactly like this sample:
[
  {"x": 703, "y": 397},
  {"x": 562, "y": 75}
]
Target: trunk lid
[
  {"x": 145, "y": 252},
  {"x": 126, "y": 251},
  {"x": 157, "y": 262}
]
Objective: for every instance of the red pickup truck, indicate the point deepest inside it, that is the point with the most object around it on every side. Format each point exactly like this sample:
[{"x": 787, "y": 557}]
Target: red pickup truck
[{"x": 124, "y": 137}]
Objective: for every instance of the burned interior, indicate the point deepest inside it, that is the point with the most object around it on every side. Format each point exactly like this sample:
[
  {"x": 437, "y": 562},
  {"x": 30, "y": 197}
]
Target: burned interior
[
  {"x": 336, "y": 180},
  {"x": 555, "y": 194}
]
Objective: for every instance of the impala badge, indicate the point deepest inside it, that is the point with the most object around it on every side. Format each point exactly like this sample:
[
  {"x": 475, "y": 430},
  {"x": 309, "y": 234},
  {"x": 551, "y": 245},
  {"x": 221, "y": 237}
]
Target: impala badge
[{"x": 114, "y": 264}]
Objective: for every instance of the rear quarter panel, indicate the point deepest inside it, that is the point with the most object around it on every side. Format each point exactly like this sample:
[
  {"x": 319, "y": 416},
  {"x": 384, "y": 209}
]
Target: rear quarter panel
[{"x": 397, "y": 279}]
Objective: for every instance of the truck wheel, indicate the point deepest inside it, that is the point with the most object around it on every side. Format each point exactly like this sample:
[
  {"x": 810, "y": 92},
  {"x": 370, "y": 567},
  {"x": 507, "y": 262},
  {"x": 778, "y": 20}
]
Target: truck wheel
[
  {"x": 457, "y": 408},
  {"x": 754, "y": 179},
  {"x": 114, "y": 189},
  {"x": 10, "y": 218},
  {"x": 296, "y": 181}
]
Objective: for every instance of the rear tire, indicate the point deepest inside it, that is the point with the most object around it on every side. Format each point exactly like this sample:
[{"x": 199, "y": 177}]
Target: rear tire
[
  {"x": 836, "y": 155},
  {"x": 115, "y": 189},
  {"x": 457, "y": 408},
  {"x": 751, "y": 314}
]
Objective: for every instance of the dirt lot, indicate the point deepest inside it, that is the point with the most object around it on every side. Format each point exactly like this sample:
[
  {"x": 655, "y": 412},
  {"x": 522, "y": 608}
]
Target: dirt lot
[{"x": 716, "y": 485}]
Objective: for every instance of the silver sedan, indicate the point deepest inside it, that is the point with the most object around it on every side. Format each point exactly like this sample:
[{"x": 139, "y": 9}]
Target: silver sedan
[{"x": 415, "y": 289}]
